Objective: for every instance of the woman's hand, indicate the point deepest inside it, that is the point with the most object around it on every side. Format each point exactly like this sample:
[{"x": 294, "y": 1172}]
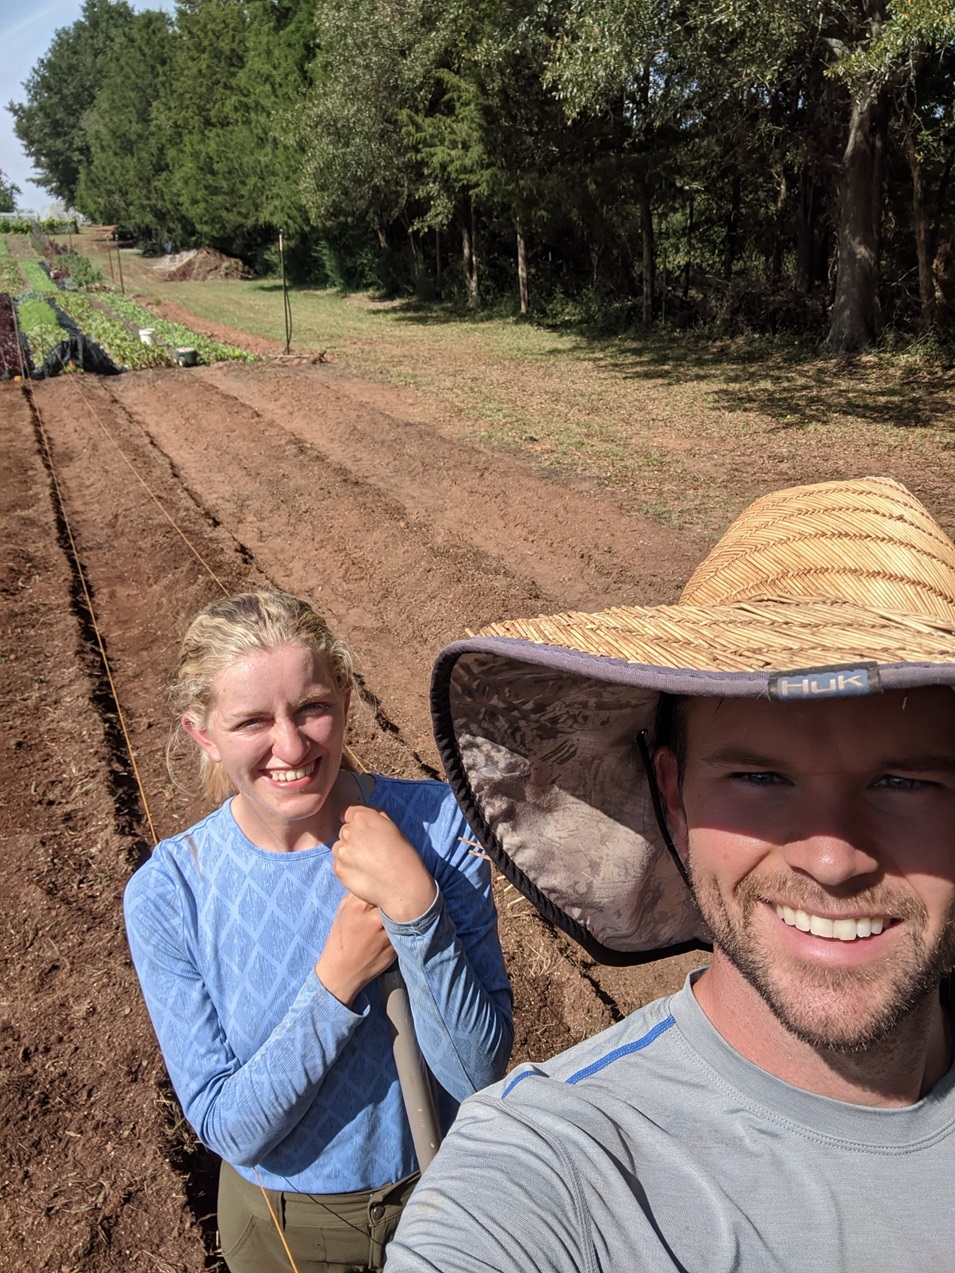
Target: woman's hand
[
  {"x": 375, "y": 862},
  {"x": 356, "y": 950}
]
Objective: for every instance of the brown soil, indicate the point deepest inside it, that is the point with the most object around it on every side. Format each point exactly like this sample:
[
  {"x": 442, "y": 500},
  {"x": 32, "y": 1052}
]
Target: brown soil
[
  {"x": 206, "y": 263},
  {"x": 152, "y": 491}
]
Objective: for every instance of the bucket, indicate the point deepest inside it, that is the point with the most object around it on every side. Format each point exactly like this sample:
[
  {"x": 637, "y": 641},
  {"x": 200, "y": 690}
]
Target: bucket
[
  {"x": 187, "y": 357},
  {"x": 147, "y": 335}
]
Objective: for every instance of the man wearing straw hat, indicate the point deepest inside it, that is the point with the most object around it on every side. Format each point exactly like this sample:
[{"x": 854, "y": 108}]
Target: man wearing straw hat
[{"x": 768, "y": 765}]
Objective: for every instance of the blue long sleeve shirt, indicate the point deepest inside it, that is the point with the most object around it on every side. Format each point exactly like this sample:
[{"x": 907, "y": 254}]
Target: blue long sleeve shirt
[{"x": 273, "y": 1072}]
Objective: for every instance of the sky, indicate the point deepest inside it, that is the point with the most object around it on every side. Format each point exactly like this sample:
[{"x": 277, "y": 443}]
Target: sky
[{"x": 25, "y": 34}]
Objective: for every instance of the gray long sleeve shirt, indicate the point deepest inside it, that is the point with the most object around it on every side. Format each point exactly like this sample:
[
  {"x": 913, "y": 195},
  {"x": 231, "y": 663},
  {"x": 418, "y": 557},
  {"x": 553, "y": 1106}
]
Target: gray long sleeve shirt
[{"x": 656, "y": 1146}]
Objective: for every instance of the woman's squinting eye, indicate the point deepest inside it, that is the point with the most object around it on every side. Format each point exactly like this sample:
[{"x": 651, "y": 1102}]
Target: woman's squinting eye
[{"x": 318, "y": 706}]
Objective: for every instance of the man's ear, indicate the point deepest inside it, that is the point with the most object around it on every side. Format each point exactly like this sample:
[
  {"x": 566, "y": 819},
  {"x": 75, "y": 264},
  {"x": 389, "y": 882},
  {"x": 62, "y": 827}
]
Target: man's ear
[
  {"x": 201, "y": 738},
  {"x": 667, "y": 773}
]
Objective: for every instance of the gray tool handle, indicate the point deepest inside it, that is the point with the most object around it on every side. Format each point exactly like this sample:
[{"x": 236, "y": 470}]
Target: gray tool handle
[{"x": 416, "y": 1090}]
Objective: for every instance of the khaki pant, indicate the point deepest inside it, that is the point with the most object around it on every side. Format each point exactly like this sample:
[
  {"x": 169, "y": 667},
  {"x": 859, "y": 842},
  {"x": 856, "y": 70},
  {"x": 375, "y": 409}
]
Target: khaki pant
[{"x": 326, "y": 1233}]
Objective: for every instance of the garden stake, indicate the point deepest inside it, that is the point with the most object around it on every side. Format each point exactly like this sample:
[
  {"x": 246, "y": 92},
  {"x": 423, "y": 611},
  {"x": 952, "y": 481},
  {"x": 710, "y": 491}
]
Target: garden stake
[{"x": 285, "y": 300}]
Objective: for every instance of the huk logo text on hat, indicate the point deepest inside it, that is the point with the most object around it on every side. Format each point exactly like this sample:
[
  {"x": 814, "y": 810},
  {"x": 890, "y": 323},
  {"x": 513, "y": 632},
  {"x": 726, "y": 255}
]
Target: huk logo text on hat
[{"x": 831, "y": 682}]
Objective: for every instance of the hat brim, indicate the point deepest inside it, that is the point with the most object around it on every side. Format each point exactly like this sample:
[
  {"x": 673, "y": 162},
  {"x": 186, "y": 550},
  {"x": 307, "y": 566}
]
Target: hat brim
[{"x": 539, "y": 743}]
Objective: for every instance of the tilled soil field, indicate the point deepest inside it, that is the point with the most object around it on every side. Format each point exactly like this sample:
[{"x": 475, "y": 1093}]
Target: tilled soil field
[{"x": 127, "y": 504}]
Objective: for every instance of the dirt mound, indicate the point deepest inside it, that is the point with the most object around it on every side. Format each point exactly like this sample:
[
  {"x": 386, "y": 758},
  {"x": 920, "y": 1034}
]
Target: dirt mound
[{"x": 208, "y": 263}]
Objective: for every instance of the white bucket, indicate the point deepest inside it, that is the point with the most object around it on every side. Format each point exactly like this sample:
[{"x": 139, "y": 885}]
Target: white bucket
[{"x": 146, "y": 335}]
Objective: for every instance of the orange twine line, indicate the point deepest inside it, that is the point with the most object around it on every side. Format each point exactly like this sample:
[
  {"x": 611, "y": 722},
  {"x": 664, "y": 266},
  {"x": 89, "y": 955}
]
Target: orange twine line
[{"x": 275, "y": 1221}]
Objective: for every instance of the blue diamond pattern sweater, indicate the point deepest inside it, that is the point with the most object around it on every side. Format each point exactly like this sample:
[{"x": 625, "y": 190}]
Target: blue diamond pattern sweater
[{"x": 273, "y": 1072}]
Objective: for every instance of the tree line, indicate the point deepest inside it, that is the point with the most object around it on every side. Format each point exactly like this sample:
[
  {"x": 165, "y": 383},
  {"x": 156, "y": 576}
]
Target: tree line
[{"x": 776, "y": 164}]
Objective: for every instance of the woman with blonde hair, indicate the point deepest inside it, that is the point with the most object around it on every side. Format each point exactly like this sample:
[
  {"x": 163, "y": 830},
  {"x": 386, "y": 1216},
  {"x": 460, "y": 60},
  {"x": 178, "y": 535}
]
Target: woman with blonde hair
[{"x": 258, "y": 936}]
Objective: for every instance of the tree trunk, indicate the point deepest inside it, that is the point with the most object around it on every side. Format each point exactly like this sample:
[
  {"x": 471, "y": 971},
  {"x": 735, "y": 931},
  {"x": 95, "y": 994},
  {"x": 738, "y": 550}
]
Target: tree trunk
[
  {"x": 417, "y": 262},
  {"x": 941, "y": 195},
  {"x": 920, "y": 224},
  {"x": 856, "y": 312},
  {"x": 689, "y": 251},
  {"x": 469, "y": 255},
  {"x": 649, "y": 251},
  {"x": 856, "y": 319},
  {"x": 806, "y": 232},
  {"x": 731, "y": 245},
  {"x": 943, "y": 270},
  {"x": 776, "y": 267},
  {"x": 522, "y": 266}
]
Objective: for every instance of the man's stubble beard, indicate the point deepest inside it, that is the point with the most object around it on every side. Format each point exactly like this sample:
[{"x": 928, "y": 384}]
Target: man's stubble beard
[{"x": 834, "y": 1009}]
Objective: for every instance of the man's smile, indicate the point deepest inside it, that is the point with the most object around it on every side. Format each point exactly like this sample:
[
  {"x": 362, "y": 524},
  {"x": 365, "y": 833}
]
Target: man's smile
[{"x": 845, "y": 929}]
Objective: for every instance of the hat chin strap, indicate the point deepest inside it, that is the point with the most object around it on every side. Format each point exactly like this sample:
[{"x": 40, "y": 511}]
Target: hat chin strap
[{"x": 644, "y": 748}]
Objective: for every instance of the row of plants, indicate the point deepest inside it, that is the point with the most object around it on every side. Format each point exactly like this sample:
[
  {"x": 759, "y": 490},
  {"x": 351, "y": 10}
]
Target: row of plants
[
  {"x": 41, "y": 327},
  {"x": 174, "y": 335},
  {"x": 26, "y": 310},
  {"x": 111, "y": 321},
  {"x": 67, "y": 267},
  {"x": 9, "y": 342},
  {"x": 37, "y": 279},
  {"x": 46, "y": 246},
  {"x": 29, "y": 285},
  {"x": 74, "y": 269},
  {"x": 11, "y": 280},
  {"x": 26, "y": 225},
  {"x": 70, "y": 269},
  {"x": 119, "y": 344}
]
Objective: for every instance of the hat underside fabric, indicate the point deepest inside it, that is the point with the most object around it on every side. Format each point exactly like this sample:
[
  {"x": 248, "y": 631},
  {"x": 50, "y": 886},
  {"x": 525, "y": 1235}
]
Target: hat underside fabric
[{"x": 540, "y": 747}]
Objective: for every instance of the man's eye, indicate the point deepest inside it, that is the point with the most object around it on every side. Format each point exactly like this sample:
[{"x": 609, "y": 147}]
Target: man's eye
[
  {"x": 758, "y": 778},
  {"x": 900, "y": 782}
]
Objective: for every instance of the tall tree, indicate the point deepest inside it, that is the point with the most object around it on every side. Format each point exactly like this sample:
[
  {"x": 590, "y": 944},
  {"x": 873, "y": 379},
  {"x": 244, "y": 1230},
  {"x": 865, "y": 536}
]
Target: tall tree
[
  {"x": 214, "y": 169},
  {"x": 275, "y": 80},
  {"x": 489, "y": 135},
  {"x": 356, "y": 167},
  {"x": 60, "y": 89},
  {"x": 883, "y": 52},
  {"x": 127, "y": 177}
]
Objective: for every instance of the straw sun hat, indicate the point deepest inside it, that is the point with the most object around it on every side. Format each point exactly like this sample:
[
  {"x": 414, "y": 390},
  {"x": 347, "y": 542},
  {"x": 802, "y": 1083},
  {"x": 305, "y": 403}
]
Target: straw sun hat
[{"x": 818, "y": 591}]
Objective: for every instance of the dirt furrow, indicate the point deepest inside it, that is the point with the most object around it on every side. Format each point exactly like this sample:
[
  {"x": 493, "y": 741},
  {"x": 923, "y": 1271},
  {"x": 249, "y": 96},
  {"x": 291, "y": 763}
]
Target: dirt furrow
[
  {"x": 399, "y": 586},
  {"x": 576, "y": 543},
  {"x": 386, "y": 583},
  {"x": 87, "y": 1182}
]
